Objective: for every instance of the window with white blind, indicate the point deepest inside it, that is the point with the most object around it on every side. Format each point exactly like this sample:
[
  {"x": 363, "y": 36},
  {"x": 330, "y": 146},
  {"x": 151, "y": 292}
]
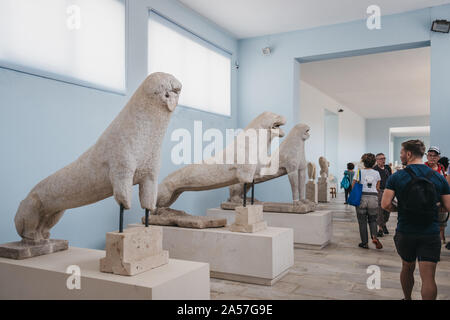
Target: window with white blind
[
  {"x": 203, "y": 69},
  {"x": 76, "y": 41}
]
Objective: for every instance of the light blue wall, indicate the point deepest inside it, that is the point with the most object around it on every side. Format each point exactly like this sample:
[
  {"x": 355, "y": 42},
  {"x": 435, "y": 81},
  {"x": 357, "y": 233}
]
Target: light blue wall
[
  {"x": 46, "y": 124},
  {"x": 271, "y": 82},
  {"x": 440, "y": 93},
  {"x": 267, "y": 82},
  {"x": 377, "y": 131}
]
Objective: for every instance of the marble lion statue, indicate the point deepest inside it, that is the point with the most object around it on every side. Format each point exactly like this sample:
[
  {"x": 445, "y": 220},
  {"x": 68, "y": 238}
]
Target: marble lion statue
[
  {"x": 127, "y": 153},
  {"x": 292, "y": 162},
  {"x": 215, "y": 173}
]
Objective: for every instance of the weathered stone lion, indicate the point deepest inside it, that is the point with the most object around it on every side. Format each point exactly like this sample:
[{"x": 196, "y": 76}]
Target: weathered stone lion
[
  {"x": 127, "y": 153},
  {"x": 291, "y": 155},
  {"x": 215, "y": 173}
]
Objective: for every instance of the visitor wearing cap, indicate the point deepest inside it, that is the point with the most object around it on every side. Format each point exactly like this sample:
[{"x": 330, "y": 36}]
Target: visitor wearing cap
[{"x": 433, "y": 157}]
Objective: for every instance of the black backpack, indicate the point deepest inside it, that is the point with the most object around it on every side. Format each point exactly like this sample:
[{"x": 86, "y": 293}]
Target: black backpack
[{"x": 418, "y": 199}]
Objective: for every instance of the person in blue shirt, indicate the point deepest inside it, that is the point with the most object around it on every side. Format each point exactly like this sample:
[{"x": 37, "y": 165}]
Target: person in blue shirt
[
  {"x": 416, "y": 241},
  {"x": 349, "y": 174}
]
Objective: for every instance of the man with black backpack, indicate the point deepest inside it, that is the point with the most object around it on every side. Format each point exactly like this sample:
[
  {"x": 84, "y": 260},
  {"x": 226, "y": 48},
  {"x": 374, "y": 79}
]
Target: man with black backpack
[{"x": 419, "y": 190}]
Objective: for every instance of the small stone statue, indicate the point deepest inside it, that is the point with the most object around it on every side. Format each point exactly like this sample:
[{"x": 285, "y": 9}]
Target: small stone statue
[
  {"x": 311, "y": 171},
  {"x": 323, "y": 184},
  {"x": 324, "y": 164}
]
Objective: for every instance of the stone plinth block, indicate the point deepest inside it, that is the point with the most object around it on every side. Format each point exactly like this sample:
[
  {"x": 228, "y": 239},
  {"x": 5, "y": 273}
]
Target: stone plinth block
[
  {"x": 249, "y": 219},
  {"x": 134, "y": 251},
  {"x": 300, "y": 207},
  {"x": 249, "y": 228},
  {"x": 54, "y": 276},
  {"x": 312, "y": 230},
  {"x": 260, "y": 258},
  {"x": 323, "y": 190},
  {"x": 27, "y": 249},
  {"x": 312, "y": 192}
]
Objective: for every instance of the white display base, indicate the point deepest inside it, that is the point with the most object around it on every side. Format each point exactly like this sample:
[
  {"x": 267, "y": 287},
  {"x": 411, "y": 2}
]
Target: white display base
[
  {"x": 312, "y": 230},
  {"x": 45, "y": 277},
  {"x": 261, "y": 258}
]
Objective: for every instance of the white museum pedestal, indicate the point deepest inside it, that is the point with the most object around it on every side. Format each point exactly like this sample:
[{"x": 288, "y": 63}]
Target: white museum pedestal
[
  {"x": 261, "y": 257},
  {"x": 45, "y": 277},
  {"x": 312, "y": 230}
]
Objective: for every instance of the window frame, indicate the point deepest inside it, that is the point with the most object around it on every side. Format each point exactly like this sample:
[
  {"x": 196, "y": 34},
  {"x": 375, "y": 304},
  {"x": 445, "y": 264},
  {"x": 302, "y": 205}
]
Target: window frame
[
  {"x": 28, "y": 70},
  {"x": 188, "y": 33}
]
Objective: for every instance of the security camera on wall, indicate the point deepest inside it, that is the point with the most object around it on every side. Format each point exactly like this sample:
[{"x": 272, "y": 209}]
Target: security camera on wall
[{"x": 267, "y": 51}]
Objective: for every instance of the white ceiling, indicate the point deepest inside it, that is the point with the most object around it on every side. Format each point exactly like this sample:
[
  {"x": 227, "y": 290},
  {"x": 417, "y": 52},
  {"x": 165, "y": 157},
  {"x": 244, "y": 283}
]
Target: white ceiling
[
  {"x": 250, "y": 18},
  {"x": 382, "y": 85}
]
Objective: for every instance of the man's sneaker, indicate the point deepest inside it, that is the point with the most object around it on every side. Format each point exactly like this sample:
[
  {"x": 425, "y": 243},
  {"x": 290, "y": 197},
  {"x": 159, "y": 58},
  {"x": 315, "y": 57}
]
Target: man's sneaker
[
  {"x": 385, "y": 230},
  {"x": 380, "y": 233},
  {"x": 447, "y": 246},
  {"x": 363, "y": 245},
  {"x": 377, "y": 243}
]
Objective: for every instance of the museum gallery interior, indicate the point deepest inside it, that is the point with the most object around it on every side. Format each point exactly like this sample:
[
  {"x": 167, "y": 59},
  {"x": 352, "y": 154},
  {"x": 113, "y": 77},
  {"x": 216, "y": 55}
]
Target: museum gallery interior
[{"x": 224, "y": 149}]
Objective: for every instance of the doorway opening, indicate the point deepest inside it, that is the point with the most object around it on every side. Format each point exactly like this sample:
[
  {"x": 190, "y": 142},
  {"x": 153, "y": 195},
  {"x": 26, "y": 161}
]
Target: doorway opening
[
  {"x": 362, "y": 103},
  {"x": 399, "y": 135}
]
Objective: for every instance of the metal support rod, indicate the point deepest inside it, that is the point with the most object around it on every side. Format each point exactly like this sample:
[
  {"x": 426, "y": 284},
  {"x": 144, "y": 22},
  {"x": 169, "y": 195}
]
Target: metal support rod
[
  {"x": 245, "y": 194},
  {"x": 121, "y": 219},
  {"x": 146, "y": 218},
  {"x": 253, "y": 192}
]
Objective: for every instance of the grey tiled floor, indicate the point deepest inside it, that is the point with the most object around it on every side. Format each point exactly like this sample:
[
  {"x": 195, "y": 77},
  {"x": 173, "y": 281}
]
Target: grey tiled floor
[{"x": 339, "y": 270}]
